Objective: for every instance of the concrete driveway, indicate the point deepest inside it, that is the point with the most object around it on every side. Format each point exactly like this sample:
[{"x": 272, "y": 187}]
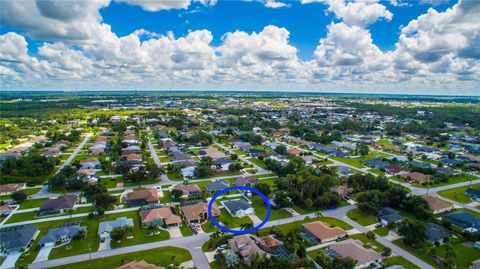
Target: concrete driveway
[
  {"x": 43, "y": 254},
  {"x": 105, "y": 245},
  {"x": 174, "y": 232},
  {"x": 10, "y": 261}
]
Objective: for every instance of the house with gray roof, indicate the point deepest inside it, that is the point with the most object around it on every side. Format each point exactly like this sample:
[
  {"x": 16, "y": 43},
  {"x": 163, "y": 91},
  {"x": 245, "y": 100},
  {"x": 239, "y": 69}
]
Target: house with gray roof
[
  {"x": 106, "y": 227},
  {"x": 463, "y": 220},
  {"x": 376, "y": 163},
  {"x": 238, "y": 208},
  {"x": 435, "y": 233},
  {"x": 17, "y": 238},
  {"x": 216, "y": 186},
  {"x": 388, "y": 215},
  {"x": 63, "y": 234},
  {"x": 58, "y": 205}
]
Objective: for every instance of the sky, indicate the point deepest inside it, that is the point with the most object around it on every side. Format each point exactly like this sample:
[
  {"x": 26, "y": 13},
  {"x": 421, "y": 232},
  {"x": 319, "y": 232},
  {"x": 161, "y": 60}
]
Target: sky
[{"x": 369, "y": 46}]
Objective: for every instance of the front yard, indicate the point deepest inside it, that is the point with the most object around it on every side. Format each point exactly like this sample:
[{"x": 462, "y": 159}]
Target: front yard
[
  {"x": 458, "y": 194},
  {"x": 361, "y": 217}
]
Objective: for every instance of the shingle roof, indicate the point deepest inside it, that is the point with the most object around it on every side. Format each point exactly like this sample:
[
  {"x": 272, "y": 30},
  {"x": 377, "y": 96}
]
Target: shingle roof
[
  {"x": 108, "y": 226},
  {"x": 355, "y": 250},
  {"x": 323, "y": 231},
  {"x": 236, "y": 205},
  {"x": 216, "y": 185},
  {"x": 62, "y": 202},
  {"x": 17, "y": 236},
  {"x": 68, "y": 229}
]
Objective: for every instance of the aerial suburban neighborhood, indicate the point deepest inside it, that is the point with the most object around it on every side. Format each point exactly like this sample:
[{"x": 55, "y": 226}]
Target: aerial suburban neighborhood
[{"x": 347, "y": 184}]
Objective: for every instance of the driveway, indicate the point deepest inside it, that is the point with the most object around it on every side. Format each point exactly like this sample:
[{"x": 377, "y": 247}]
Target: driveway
[
  {"x": 10, "y": 261},
  {"x": 255, "y": 219},
  {"x": 105, "y": 245},
  {"x": 174, "y": 231},
  {"x": 43, "y": 254}
]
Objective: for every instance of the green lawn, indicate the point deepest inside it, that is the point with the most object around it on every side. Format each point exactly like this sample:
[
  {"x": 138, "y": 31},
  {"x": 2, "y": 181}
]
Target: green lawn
[
  {"x": 139, "y": 234},
  {"x": 465, "y": 254},
  {"x": 176, "y": 176},
  {"x": 368, "y": 243},
  {"x": 239, "y": 152},
  {"x": 361, "y": 217},
  {"x": 376, "y": 171},
  {"x": 382, "y": 231},
  {"x": 419, "y": 253},
  {"x": 19, "y": 217},
  {"x": 76, "y": 247},
  {"x": 357, "y": 162},
  {"x": 165, "y": 159},
  {"x": 256, "y": 161},
  {"x": 399, "y": 260},
  {"x": 227, "y": 220},
  {"x": 261, "y": 211},
  {"x": 28, "y": 192},
  {"x": 452, "y": 180},
  {"x": 32, "y": 203},
  {"x": 458, "y": 194},
  {"x": 167, "y": 197},
  {"x": 186, "y": 231},
  {"x": 163, "y": 256}
]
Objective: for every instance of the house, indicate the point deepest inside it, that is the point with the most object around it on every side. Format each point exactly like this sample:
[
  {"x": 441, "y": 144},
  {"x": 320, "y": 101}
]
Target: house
[
  {"x": 309, "y": 159},
  {"x": 5, "y": 210},
  {"x": 62, "y": 235},
  {"x": 167, "y": 143},
  {"x": 436, "y": 205},
  {"x": 388, "y": 215},
  {"x": 435, "y": 233},
  {"x": 355, "y": 250},
  {"x": 344, "y": 171},
  {"x": 58, "y": 205},
  {"x": 246, "y": 181},
  {"x": 394, "y": 169},
  {"x": 255, "y": 152},
  {"x": 376, "y": 163},
  {"x": 445, "y": 171},
  {"x": 463, "y": 220},
  {"x": 90, "y": 174},
  {"x": 294, "y": 151},
  {"x": 106, "y": 227},
  {"x": 216, "y": 186},
  {"x": 213, "y": 153},
  {"x": 198, "y": 213},
  {"x": 417, "y": 177},
  {"x": 322, "y": 232},
  {"x": 90, "y": 163},
  {"x": 178, "y": 155},
  {"x": 238, "y": 208},
  {"x": 221, "y": 164},
  {"x": 473, "y": 193},
  {"x": 420, "y": 164},
  {"x": 138, "y": 265},
  {"x": 141, "y": 197},
  {"x": 242, "y": 145},
  {"x": 17, "y": 238},
  {"x": 189, "y": 190},
  {"x": 162, "y": 216},
  {"x": 248, "y": 245},
  {"x": 6, "y": 189}
]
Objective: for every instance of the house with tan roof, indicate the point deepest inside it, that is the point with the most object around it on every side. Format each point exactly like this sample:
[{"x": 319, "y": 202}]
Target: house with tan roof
[
  {"x": 138, "y": 265},
  {"x": 437, "y": 205},
  {"x": 294, "y": 151},
  {"x": 355, "y": 250},
  {"x": 162, "y": 216},
  {"x": 322, "y": 232},
  {"x": 416, "y": 177},
  {"x": 90, "y": 163},
  {"x": 11, "y": 187},
  {"x": 191, "y": 190},
  {"x": 198, "y": 213},
  {"x": 248, "y": 245},
  {"x": 214, "y": 153},
  {"x": 141, "y": 197}
]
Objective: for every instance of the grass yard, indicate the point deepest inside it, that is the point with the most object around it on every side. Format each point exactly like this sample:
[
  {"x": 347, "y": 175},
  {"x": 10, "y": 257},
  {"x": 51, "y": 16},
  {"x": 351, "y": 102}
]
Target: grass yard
[
  {"x": 419, "y": 253},
  {"x": 139, "y": 234},
  {"x": 32, "y": 203},
  {"x": 163, "y": 256},
  {"x": 76, "y": 247},
  {"x": 186, "y": 231},
  {"x": 376, "y": 171},
  {"x": 382, "y": 231},
  {"x": 28, "y": 192},
  {"x": 257, "y": 162},
  {"x": 261, "y": 211},
  {"x": 357, "y": 162},
  {"x": 239, "y": 152},
  {"x": 285, "y": 228},
  {"x": 361, "y": 217},
  {"x": 176, "y": 176},
  {"x": 399, "y": 260},
  {"x": 270, "y": 181},
  {"x": 165, "y": 159},
  {"x": 465, "y": 255},
  {"x": 368, "y": 243},
  {"x": 167, "y": 197},
  {"x": 226, "y": 220},
  {"x": 452, "y": 180},
  {"x": 458, "y": 194}
]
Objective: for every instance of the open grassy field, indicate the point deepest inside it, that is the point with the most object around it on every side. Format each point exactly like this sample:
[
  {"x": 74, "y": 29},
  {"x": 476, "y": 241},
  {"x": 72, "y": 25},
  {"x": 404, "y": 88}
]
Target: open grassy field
[
  {"x": 458, "y": 194},
  {"x": 163, "y": 256},
  {"x": 361, "y": 217}
]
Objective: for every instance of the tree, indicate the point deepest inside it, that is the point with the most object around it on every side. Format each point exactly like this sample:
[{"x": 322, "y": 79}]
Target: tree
[
  {"x": 18, "y": 196},
  {"x": 203, "y": 171},
  {"x": 343, "y": 263},
  {"x": 233, "y": 167},
  {"x": 387, "y": 252},
  {"x": 450, "y": 256},
  {"x": 220, "y": 258},
  {"x": 246, "y": 226},
  {"x": 232, "y": 260},
  {"x": 281, "y": 199},
  {"x": 413, "y": 232},
  {"x": 176, "y": 194},
  {"x": 308, "y": 203},
  {"x": 263, "y": 188},
  {"x": 281, "y": 149},
  {"x": 362, "y": 149},
  {"x": 104, "y": 200},
  {"x": 370, "y": 235},
  {"x": 118, "y": 233}
]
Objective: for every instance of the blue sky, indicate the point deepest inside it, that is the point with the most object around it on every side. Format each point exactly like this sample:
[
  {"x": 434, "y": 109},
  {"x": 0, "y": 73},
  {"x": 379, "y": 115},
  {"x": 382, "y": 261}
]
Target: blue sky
[{"x": 323, "y": 45}]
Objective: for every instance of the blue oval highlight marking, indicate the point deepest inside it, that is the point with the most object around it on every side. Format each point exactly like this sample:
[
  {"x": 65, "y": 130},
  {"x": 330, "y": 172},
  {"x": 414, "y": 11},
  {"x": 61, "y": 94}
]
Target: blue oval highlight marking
[{"x": 225, "y": 229}]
